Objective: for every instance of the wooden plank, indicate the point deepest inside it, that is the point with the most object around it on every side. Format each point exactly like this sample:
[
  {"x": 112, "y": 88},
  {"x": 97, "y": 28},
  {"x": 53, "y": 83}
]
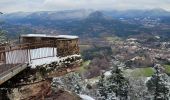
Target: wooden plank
[{"x": 5, "y": 76}]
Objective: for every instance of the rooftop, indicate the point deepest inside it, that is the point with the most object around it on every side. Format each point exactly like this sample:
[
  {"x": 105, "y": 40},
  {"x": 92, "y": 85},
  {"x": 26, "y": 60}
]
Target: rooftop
[{"x": 51, "y": 36}]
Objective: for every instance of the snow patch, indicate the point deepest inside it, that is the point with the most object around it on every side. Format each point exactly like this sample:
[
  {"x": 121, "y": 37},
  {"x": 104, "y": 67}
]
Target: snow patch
[
  {"x": 107, "y": 73},
  {"x": 39, "y": 62},
  {"x": 147, "y": 78},
  {"x": 43, "y": 61},
  {"x": 86, "y": 97},
  {"x": 51, "y": 36}
]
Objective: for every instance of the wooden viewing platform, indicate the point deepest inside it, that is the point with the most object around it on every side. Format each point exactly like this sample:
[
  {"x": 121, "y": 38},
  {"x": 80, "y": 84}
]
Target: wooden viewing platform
[{"x": 15, "y": 58}]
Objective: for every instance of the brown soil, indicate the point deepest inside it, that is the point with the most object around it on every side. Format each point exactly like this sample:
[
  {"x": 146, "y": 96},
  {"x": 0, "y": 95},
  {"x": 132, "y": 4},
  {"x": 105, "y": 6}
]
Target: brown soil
[{"x": 63, "y": 95}]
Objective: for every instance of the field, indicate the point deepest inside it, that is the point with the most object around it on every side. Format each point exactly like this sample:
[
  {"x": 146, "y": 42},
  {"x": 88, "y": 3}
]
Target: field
[
  {"x": 167, "y": 69},
  {"x": 137, "y": 72},
  {"x": 113, "y": 39},
  {"x": 84, "y": 47},
  {"x": 145, "y": 72},
  {"x": 83, "y": 67}
]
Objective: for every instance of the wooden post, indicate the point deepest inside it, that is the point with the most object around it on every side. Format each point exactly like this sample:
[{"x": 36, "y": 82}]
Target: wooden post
[{"x": 53, "y": 48}]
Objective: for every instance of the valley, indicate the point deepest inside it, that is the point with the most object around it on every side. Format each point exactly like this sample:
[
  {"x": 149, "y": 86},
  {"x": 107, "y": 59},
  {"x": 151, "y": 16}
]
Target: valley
[{"x": 136, "y": 41}]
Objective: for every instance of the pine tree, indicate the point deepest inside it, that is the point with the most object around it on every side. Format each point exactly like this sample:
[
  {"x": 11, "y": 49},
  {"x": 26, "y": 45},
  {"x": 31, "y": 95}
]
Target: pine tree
[
  {"x": 117, "y": 82},
  {"x": 137, "y": 88},
  {"x": 102, "y": 89},
  {"x": 2, "y": 36},
  {"x": 71, "y": 82},
  {"x": 115, "y": 86},
  {"x": 159, "y": 85},
  {"x": 76, "y": 83}
]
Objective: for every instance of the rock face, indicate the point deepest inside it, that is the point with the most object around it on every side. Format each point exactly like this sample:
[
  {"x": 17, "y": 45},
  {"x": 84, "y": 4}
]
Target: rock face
[
  {"x": 67, "y": 47},
  {"x": 63, "y": 95},
  {"x": 37, "y": 84},
  {"x": 41, "y": 91},
  {"x": 36, "y": 91}
]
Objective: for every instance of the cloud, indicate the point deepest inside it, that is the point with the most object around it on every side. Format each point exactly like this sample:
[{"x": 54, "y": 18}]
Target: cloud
[{"x": 41, "y": 5}]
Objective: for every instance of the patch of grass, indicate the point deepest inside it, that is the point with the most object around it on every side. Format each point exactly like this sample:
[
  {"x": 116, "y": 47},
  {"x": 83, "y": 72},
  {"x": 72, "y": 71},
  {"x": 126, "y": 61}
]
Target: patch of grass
[
  {"x": 167, "y": 69},
  {"x": 84, "y": 47},
  {"x": 83, "y": 67},
  {"x": 113, "y": 39},
  {"x": 145, "y": 72}
]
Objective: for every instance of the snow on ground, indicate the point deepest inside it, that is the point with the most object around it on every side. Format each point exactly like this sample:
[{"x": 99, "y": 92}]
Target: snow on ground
[
  {"x": 92, "y": 81},
  {"x": 107, "y": 73},
  {"x": 51, "y": 36},
  {"x": 86, "y": 97},
  {"x": 43, "y": 61},
  {"x": 147, "y": 78},
  {"x": 49, "y": 60}
]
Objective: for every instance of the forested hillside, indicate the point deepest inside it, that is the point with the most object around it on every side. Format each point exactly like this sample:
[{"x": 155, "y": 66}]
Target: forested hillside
[
  {"x": 89, "y": 23},
  {"x": 2, "y": 37}
]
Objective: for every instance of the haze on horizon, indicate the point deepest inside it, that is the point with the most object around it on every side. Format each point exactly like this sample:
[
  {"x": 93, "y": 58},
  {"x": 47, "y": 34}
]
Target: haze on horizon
[{"x": 8, "y": 6}]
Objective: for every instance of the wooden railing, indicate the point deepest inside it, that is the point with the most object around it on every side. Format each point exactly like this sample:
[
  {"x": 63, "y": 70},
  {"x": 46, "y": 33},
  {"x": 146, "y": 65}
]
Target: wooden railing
[{"x": 19, "y": 54}]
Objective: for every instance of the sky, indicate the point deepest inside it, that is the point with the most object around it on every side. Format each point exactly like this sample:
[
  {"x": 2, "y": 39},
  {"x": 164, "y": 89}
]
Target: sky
[{"x": 8, "y": 6}]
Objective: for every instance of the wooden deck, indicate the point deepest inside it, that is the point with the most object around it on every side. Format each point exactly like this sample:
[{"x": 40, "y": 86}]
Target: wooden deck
[
  {"x": 15, "y": 58},
  {"x": 9, "y": 71},
  {"x": 4, "y": 67}
]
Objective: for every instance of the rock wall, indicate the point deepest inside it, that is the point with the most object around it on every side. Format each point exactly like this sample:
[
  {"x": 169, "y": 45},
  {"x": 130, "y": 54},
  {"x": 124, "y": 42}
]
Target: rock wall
[
  {"x": 36, "y": 91},
  {"x": 35, "y": 84},
  {"x": 64, "y": 47},
  {"x": 67, "y": 47}
]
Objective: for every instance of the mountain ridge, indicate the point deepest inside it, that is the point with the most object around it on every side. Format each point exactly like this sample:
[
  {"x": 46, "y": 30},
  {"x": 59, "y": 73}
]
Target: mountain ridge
[{"x": 82, "y": 13}]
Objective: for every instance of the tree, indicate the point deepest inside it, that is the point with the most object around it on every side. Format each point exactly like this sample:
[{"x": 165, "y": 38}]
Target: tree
[
  {"x": 115, "y": 86},
  {"x": 104, "y": 92},
  {"x": 102, "y": 89},
  {"x": 71, "y": 82},
  {"x": 117, "y": 82},
  {"x": 137, "y": 88},
  {"x": 2, "y": 36},
  {"x": 159, "y": 84}
]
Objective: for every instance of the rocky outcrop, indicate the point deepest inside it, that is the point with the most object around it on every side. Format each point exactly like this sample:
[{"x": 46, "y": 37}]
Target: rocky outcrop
[
  {"x": 35, "y": 91},
  {"x": 35, "y": 84},
  {"x": 40, "y": 91},
  {"x": 63, "y": 95}
]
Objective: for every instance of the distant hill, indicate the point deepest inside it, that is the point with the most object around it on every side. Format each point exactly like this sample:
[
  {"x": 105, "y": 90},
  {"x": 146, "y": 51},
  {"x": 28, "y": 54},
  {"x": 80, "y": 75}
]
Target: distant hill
[
  {"x": 137, "y": 13},
  {"x": 44, "y": 15},
  {"x": 92, "y": 24},
  {"x": 86, "y": 22},
  {"x": 96, "y": 25},
  {"x": 13, "y": 31},
  {"x": 82, "y": 14}
]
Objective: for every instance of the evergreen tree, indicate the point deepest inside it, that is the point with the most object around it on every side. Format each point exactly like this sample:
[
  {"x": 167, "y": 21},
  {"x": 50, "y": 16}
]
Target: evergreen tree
[
  {"x": 102, "y": 89},
  {"x": 137, "y": 88},
  {"x": 159, "y": 85},
  {"x": 117, "y": 82},
  {"x": 2, "y": 36},
  {"x": 71, "y": 82},
  {"x": 76, "y": 83},
  {"x": 115, "y": 86}
]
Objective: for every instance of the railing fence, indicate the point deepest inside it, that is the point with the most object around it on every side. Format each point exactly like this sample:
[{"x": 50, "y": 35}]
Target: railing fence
[{"x": 11, "y": 56}]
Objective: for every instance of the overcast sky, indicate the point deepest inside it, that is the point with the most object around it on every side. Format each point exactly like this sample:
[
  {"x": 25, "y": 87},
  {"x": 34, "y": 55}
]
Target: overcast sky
[{"x": 48, "y": 5}]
